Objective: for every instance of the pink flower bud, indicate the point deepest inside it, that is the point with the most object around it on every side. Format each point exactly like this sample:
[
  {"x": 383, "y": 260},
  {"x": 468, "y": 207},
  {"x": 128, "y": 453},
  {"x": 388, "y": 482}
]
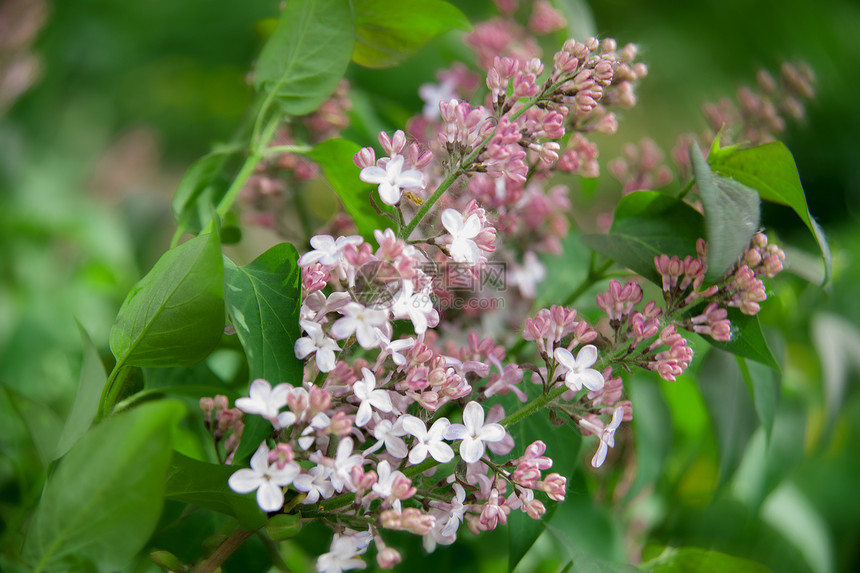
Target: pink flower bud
[
  {"x": 221, "y": 402},
  {"x": 341, "y": 424},
  {"x": 388, "y": 558},
  {"x": 555, "y": 486},
  {"x": 390, "y": 519},
  {"x": 413, "y": 521},
  {"x": 366, "y": 157},
  {"x": 402, "y": 487}
]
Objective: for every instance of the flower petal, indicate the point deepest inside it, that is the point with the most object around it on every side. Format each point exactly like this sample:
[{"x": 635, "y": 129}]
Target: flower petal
[
  {"x": 363, "y": 415},
  {"x": 592, "y": 379},
  {"x": 452, "y": 220},
  {"x": 456, "y": 432},
  {"x": 414, "y": 426},
  {"x": 441, "y": 452},
  {"x": 473, "y": 417},
  {"x": 372, "y": 174},
  {"x": 270, "y": 497},
  {"x": 244, "y": 480},
  {"x": 587, "y": 356},
  {"x": 471, "y": 450}
]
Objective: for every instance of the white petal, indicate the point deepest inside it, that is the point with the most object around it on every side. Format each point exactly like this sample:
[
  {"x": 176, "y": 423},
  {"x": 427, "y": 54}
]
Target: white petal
[
  {"x": 573, "y": 380},
  {"x": 452, "y": 220},
  {"x": 380, "y": 400},
  {"x": 471, "y": 227},
  {"x": 456, "y": 432},
  {"x": 343, "y": 327},
  {"x": 471, "y": 450},
  {"x": 286, "y": 419},
  {"x": 363, "y": 415},
  {"x": 587, "y": 356},
  {"x": 390, "y": 194},
  {"x": 366, "y": 335},
  {"x": 396, "y": 447},
  {"x": 325, "y": 360},
  {"x": 304, "y": 347},
  {"x": 260, "y": 459},
  {"x": 372, "y": 174},
  {"x": 438, "y": 429},
  {"x": 414, "y": 426},
  {"x": 418, "y": 454},
  {"x": 284, "y": 476},
  {"x": 441, "y": 452},
  {"x": 411, "y": 178},
  {"x": 244, "y": 480},
  {"x": 270, "y": 497},
  {"x": 565, "y": 358},
  {"x": 592, "y": 379},
  {"x": 600, "y": 456},
  {"x": 473, "y": 417},
  {"x": 492, "y": 433}
]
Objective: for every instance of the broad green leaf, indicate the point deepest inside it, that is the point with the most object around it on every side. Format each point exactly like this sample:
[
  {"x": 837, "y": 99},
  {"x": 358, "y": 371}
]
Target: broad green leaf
[
  {"x": 335, "y": 158},
  {"x": 86, "y": 404},
  {"x": 770, "y": 169},
  {"x": 175, "y": 315},
  {"x": 263, "y": 300},
  {"x": 389, "y": 31},
  {"x": 747, "y": 340},
  {"x": 763, "y": 384},
  {"x": 205, "y": 485},
  {"x": 104, "y": 500},
  {"x": 42, "y": 424},
  {"x": 648, "y": 224},
  {"x": 256, "y": 430},
  {"x": 732, "y": 215},
  {"x": 652, "y": 428},
  {"x": 283, "y": 527},
  {"x": 729, "y": 404},
  {"x": 688, "y": 559},
  {"x": 307, "y": 54},
  {"x": 201, "y": 187}
]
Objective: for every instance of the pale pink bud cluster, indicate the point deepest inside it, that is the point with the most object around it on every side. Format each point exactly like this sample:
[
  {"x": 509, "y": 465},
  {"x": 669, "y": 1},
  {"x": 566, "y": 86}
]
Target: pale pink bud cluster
[
  {"x": 549, "y": 326},
  {"x": 641, "y": 167},
  {"x": 712, "y": 322},
  {"x": 670, "y": 363},
  {"x": 618, "y": 301},
  {"x": 580, "y": 156}
]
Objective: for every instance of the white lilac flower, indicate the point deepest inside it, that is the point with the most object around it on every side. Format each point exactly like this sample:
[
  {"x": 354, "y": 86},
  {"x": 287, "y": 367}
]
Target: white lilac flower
[
  {"x": 308, "y": 436},
  {"x": 432, "y": 94},
  {"x": 456, "y": 513},
  {"x": 473, "y": 433},
  {"x": 528, "y": 275},
  {"x": 361, "y": 321},
  {"x": 342, "y": 556},
  {"x": 579, "y": 371},
  {"x": 428, "y": 442},
  {"x": 268, "y": 480},
  {"x": 264, "y": 400},
  {"x": 390, "y": 434},
  {"x": 327, "y": 250},
  {"x": 392, "y": 179},
  {"x": 395, "y": 347},
  {"x": 316, "y": 342},
  {"x": 416, "y": 306},
  {"x": 344, "y": 461},
  {"x": 315, "y": 483},
  {"x": 365, "y": 391},
  {"x": 463, "y": 248},
  {"x": 385, "y": 482},
  {"x": 607, "y": 437}
]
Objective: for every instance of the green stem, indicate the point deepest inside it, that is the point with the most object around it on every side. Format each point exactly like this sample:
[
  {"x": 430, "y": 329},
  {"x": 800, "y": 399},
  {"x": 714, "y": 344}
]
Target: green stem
[
  {"x": 225, "y": 550},
  {"x": 279, "y": 149},
  {"x": 594, "y": 275},
  {"x": 534, "y": 406},
  {"x": 683, "y": 192}
]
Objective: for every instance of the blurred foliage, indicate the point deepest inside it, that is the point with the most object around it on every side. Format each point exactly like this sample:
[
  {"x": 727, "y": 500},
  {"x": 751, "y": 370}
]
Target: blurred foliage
[{"x": 131, "y": 93}]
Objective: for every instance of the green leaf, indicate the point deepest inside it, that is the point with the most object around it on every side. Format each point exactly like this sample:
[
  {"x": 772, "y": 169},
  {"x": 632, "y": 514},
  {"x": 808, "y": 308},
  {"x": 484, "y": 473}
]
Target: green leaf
[
  {"x": 335, "y": 158},
  {"x": 307, "y": 54},
  {"x": 747, "y": 340},
  {"x": 389, "y": 31},
  {"x": 648, "y": 224},
  {"x": 763, "y": 384},
  {"x": 175, "y": 315},
  {"x": 263, "y": 300},
  {"x": 733, "y": 415},
  {"x": 202, "y": 186},
  {"x": 86, "y": 404},
  {"x": 687, "y": 559},
  {"x": 284, "y": 526},
  {"x": 205, "y": 485},
  {"x": 43, "y": 425},
  {"x": 770, "y": 169},
  {"x": 103, "y": 502},
  {"x": 652, "y": 428},
  {"x": 732, "y": 215}
]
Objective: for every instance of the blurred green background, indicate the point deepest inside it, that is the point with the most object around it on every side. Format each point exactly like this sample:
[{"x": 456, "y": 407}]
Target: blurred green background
[{"x": 127, "y": 94}]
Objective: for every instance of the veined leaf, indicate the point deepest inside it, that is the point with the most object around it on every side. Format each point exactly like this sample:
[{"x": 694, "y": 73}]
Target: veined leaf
[
  {"x": 104, "y": 500},
  {"x": 770, "y": 170},
  {"x": 389, "y": 31},
  {"x": 685, "y": 559},
  {"x": 263, "y": 300},
  {"x": 202, "y": 186},
  {"x": 648, "y": 224},
  {"x": 175, "y": 315},
  {"x": 86, "y": 404},
  {"x": 307, "y": 54},
  {"x": 732, "y": 215}
]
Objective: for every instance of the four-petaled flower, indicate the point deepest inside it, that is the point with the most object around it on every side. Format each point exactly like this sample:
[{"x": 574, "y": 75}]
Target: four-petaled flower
[
  {"x": 344, "y": 461},
  {"x": 318, "y": 342},
  {"x": 473, "y": 433},
  {"x": 392, "y": 179},
  {"x": 463, "y": 248},
  {"x": 268, "y": 480},
  {"x": 315, "y": 483},
  {"x": 264, "y": 400},
  {"x": 385, "y": 483},
  {"x": 607, "y": 437},
  {"x": 579, "y": 371},
  {"x": 428, "y": 441},
  {"x": 362, "y": 322},
  {"x": 365, "y": 391},
  {"x": 327, "y": 250},
  {"x": 342, "y": 556},
  {"x": 416, "y": 306}
]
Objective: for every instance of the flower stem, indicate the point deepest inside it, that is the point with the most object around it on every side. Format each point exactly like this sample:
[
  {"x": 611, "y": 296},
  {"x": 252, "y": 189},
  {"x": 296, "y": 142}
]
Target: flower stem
[{"x": 225, "y": 550}]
